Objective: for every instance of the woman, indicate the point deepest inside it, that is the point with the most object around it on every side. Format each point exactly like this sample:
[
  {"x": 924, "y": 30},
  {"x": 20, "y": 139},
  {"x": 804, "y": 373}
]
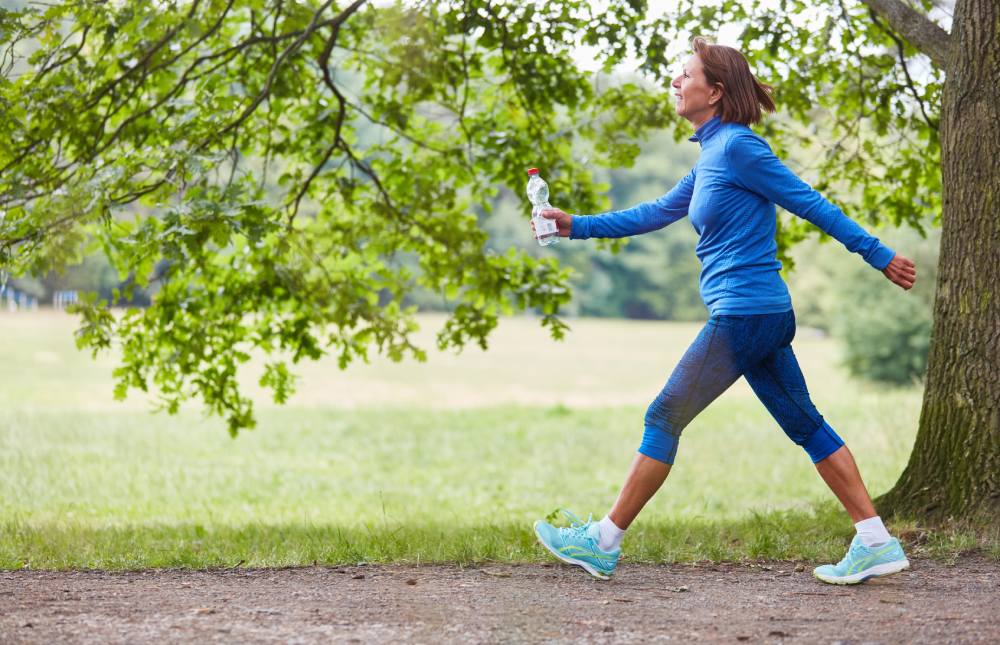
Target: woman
[{"x": 730, "y": 196}]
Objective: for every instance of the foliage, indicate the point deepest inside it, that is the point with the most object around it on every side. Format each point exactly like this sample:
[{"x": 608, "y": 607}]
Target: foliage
[
  {"x": 159, "y": 134},
  {"x": 184, "y": 114},
  {"x": 888, "y": 342},
  {"x": 886, "y": 336}
]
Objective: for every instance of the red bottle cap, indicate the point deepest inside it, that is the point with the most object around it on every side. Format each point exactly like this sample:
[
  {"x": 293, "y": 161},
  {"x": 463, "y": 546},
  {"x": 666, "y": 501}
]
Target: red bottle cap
[{"x": 532, "y": 171}]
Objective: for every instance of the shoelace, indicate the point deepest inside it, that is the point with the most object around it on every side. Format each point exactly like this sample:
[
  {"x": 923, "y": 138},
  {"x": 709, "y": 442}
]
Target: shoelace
[
  {"x": 577, "y": 528},
  {"x": 850, "y": 552}
]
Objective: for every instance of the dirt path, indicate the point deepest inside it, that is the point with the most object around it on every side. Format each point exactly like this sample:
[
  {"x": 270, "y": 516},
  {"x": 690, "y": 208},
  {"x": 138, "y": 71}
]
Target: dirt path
[{"x": 761, "y": 602}]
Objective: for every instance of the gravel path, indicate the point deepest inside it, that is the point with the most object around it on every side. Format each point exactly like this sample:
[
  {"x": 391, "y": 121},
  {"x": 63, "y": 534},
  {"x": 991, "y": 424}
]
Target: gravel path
[{"x": 755, "y": 602}]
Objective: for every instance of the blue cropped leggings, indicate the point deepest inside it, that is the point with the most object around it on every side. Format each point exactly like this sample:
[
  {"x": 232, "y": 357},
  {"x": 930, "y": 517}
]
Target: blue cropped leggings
[{"x": 757, "y": 347}]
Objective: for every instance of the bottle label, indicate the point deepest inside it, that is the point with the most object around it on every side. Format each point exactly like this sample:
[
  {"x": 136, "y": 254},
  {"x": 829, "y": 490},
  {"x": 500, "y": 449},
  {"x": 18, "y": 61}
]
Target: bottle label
[{"x": 544, "y": 226}]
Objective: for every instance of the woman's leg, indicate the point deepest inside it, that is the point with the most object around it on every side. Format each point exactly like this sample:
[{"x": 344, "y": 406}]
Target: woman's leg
[
  {"x": 707, "y": 369},
  {"x": 841, "y": 474},
  {"x": 643, "y": 480},
  {"x": 778, "y": 382}
]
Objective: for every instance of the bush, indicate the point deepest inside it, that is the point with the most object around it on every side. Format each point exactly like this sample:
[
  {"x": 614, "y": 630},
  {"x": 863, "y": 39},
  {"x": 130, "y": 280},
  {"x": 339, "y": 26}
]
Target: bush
[
  {"x": 887, "y": 340},
  {"x": 886, "y": 331}
]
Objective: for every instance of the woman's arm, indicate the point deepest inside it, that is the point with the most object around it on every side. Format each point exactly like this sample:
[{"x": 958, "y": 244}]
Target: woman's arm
[
  {"x": 646, "y": 217},
  {"x": 756, "y": 168}
]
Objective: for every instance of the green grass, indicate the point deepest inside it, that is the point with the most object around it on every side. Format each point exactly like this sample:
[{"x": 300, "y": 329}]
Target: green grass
[
  {"x": 446, "y": 461},
  {"x": 73, "y": 545}
]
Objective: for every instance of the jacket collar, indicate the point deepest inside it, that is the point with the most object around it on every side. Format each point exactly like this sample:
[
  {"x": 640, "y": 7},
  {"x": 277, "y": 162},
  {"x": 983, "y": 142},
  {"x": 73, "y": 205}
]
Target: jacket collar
[{"x": 707, "y": 130}]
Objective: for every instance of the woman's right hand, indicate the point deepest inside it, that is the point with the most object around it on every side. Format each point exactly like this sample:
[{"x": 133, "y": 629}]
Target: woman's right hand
[
  {"x": 564, "y": 221},
  {"x": 901, "y": 271}
]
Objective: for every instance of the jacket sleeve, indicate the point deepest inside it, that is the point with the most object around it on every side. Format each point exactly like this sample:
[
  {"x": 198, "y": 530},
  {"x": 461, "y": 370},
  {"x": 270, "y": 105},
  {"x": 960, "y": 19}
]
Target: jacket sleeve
[
  {"x": 756, "y": 168},
  {"x": 643, "y": 218}
]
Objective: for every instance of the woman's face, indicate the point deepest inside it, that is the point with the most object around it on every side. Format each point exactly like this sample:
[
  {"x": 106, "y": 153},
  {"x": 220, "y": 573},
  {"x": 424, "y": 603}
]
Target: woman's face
[{"x": 696, "y": 100}]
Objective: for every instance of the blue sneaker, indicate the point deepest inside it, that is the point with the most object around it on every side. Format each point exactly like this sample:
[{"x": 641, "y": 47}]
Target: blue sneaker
[
  {"x": 863, "y": 562},
  {"x": 578, "y": 544}
]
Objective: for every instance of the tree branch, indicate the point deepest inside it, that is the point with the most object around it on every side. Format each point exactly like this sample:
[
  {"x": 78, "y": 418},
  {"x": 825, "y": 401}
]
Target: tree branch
[
  {"x": 919, "y": 30},
  {"x": 62, "y": 61},
  {"x": 324, "y": 64},
  {"x": 314, "y": 24},
  {"x": 933, "y": 124},
  {"x": 146, "y": 57}
]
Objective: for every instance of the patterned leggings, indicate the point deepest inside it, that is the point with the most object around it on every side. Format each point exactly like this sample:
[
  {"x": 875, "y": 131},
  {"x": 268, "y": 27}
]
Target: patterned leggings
[{"x": 757, "y": 347}]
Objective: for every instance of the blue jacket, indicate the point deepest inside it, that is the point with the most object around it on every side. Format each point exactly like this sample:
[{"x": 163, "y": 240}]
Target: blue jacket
[{"x": 730, "y": 196}]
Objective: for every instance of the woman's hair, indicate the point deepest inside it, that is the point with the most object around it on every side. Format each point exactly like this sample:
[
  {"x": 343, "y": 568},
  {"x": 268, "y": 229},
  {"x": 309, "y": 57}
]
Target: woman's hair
[{"x": 743, "y": 96}]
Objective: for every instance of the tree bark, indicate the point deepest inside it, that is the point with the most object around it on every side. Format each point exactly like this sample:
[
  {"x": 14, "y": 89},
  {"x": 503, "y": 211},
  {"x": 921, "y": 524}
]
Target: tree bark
[
  {"x": 917, "y": 28},
  {"x": 954, "y": 470}
]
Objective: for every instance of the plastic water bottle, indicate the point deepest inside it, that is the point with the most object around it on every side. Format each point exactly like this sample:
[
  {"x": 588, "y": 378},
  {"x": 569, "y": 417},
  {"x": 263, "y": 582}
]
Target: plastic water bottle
[{"x": 546, "y": 231}]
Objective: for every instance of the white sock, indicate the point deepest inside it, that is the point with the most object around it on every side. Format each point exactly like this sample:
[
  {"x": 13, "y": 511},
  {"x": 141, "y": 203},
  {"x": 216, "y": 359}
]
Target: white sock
[
  {"x": 611, "y": 535},
  {"x": 871, "y": 531}
]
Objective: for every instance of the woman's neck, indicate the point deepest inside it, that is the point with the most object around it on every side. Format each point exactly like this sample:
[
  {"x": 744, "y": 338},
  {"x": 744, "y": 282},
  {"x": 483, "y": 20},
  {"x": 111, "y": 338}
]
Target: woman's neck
[{"x": 705, "y": 119}]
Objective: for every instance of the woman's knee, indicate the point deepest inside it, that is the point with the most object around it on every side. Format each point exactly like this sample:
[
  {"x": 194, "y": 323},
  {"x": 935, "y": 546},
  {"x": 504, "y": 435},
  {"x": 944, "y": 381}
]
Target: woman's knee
[
  {"x": 655, "y": 414},
  {"x": 659, "y": 444},
  {"x": 821, "y": 443},
  {"x": 665, "y": 412}
]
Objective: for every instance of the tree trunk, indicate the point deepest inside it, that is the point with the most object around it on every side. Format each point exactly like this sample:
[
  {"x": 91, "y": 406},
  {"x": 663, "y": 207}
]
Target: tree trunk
[{"x": 954, "y": 469}]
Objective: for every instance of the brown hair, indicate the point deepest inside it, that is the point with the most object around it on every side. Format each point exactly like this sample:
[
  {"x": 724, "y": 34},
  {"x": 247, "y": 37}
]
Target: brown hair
[{"x": 743, "y": 96}]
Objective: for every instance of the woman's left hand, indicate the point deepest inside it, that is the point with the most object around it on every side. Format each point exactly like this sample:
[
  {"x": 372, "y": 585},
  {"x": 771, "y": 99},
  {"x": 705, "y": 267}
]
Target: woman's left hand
[{"x": 902, "y": 271}]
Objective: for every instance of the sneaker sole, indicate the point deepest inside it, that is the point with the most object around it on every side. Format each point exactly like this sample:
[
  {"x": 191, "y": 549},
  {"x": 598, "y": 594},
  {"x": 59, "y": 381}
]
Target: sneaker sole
[
  {"x": 878, "y": 570},
  {"x": 568, "y": 560}
]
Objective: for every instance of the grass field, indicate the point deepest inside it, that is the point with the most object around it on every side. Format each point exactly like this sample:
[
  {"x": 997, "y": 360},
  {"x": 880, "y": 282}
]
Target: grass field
[{"x": 447, "y": 460}]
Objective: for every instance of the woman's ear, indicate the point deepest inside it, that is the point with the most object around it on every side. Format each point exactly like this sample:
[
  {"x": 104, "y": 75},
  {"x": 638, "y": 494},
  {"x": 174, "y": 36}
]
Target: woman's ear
[{"x": 716, "y": 94}]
